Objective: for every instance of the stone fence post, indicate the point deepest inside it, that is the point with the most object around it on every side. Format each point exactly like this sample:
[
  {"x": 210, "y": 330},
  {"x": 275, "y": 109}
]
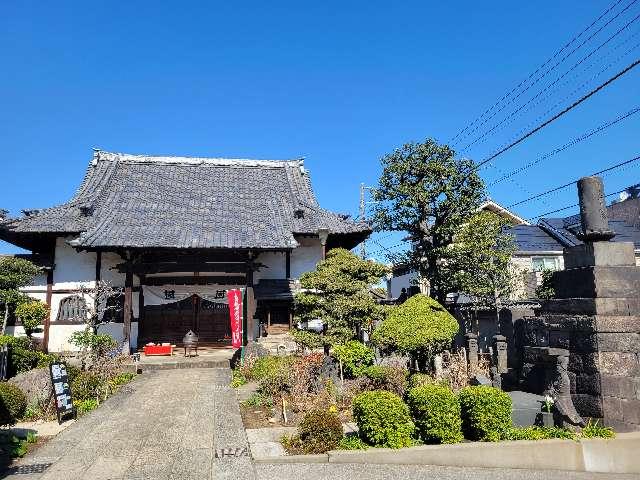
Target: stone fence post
[
  {"x": 472, "y": 351},
  {"x": 500, "y": 353}
]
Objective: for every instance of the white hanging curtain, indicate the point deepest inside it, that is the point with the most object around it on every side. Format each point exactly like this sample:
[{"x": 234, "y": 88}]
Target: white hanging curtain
[{"x": 158, "y": 295}]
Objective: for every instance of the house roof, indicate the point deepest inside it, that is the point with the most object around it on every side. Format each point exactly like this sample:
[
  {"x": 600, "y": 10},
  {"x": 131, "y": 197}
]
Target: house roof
[
  {"x": 532, "y": 238},
  {"x": 505, "y": 213},
  {"x": 565, "y": 230},
  {"x": 180, "y": 202}
]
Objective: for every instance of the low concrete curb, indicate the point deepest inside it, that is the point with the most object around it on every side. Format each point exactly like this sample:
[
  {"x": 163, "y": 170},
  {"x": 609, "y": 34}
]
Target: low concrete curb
[{"x": 619, "y": 455}]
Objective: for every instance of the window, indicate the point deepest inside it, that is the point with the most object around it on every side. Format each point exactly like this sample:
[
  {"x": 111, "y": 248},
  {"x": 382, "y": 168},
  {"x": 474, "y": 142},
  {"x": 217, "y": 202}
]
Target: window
[
  {"x": 544, "y": 263},
  {"x": 72, "y": 310}
]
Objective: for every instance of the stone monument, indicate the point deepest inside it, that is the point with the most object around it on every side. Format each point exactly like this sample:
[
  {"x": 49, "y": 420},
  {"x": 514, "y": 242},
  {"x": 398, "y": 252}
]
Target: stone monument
[{"x": 595, "y": 316}]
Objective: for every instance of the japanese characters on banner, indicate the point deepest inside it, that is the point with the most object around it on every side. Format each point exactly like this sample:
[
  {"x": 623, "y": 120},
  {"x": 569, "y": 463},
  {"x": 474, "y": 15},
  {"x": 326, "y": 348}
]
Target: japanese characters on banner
[{"x": 235, "y": 312}]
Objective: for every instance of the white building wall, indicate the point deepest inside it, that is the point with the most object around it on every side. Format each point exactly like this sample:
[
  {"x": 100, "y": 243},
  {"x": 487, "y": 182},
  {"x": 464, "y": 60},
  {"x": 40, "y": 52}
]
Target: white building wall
[
  {"x": 275, "y": 266},
  {"x": 306, "y": 256},
  {"x": 403, "y": 281}
]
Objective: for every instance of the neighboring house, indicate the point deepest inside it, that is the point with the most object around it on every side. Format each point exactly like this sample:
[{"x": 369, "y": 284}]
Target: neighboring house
[
  {"x": 540, "y": 246},
  {"x": 175, "y": 234}
]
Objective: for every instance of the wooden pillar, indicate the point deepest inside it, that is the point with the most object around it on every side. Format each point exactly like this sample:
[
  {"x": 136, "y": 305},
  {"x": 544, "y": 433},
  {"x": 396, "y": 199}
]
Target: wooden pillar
[
  {"x": 268, "y": 318},
  {"x": 48, "y": 301},
  {"x": 140, "y": 305},
  {"x": 290, "y": 318},
  {"x": 98, "y": 266},
  {"x": 288, "y": 264},
  {"x": 126, "y": 327}
]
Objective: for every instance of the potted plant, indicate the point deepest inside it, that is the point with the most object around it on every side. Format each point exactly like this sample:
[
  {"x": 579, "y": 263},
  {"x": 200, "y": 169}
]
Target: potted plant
[{"x": 545, "y": 417}]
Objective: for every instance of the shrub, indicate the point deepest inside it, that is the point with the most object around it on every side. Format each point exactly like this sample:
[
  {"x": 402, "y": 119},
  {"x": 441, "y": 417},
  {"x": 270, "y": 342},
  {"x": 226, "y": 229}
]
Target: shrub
[
  {"x": 539, "y": 433},
  {"x": 23, "y": 356},
  {"x": 274, "y": 373},
  {"x": 436, "y": 413},
  {"x": 120, "y": 379},
  {"x": 86, "y": 386},
  {"x": 486, "y": 413},
  {"x": 355, "y": 357},
  {"x": 32, "y": 315},
  {"x": 237, "y": 378},
  {"x": 419, "y": 327},
  {"x": 383, "y": 419},
  {"x": 379, "y": 377},
  {"x": 258, "y": 400},
  {"x": 352, "y": 442},
  {"x": 418, "y": 379},
  {"x": 85, "y": 406},
  {"x": 13, "y": 403},
  {"x": 306, "y": 340},
  {"x": 96, "y": 344},
  {"x": 320, "y": 431},
  {"x": 593, "y": 430}
]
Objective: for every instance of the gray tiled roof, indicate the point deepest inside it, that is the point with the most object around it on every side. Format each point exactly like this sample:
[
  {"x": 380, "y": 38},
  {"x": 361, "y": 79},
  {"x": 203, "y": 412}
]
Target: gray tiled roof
[
  {"x": 532, "y": 238},
  {"x": 177, "y": 202}
]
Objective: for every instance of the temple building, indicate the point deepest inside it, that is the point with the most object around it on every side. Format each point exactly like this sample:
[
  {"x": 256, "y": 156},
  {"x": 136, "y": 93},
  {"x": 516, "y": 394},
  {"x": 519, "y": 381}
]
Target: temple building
[{"x": 174, "y": 234}]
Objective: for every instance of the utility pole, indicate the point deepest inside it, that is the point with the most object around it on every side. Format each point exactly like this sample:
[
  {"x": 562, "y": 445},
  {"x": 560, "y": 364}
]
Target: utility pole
[{"x": 361, "y": 213}]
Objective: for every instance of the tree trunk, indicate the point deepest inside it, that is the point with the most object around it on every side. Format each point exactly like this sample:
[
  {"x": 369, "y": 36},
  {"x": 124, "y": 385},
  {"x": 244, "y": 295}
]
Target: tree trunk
[{"x": 6, "y": 317}]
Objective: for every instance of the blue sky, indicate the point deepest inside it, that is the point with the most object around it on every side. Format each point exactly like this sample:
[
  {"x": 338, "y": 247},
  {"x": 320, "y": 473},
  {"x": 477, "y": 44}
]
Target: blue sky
[{"x": 340, "y": 83}]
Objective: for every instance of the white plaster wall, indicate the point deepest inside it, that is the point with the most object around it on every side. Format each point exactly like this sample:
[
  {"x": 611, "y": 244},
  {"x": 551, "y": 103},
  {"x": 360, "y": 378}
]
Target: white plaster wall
[
  {"x": 402, "y": 281},
  {"x": 275, "y": 266},
  {"x": 108, "y": 273},
  {"x": 72, "y": 267},
  {"x": 306, "y": 256}
]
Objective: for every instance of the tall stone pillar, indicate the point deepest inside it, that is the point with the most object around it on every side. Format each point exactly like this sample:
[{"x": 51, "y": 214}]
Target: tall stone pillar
[{"x": 596, "y": 317}]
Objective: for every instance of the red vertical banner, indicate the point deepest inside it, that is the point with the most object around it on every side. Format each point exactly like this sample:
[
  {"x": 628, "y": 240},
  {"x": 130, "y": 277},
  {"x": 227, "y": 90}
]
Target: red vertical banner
[{"x": 235, "y": 311}]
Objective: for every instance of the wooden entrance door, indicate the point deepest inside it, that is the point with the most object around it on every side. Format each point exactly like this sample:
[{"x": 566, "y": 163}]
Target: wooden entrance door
[
  {"x": 170, "y": 322},
  {"x": 214, "y": 324}
]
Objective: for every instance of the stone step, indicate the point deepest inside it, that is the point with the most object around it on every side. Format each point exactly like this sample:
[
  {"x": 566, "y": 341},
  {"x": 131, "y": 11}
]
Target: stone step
[{"x": 173, "y": 365}]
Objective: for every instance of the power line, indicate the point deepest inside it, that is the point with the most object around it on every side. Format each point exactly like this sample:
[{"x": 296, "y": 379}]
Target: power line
[
  {"x": 549, "y": 60},
  {"x": 561, "y": 113},
  {"x": 613, "y": 167},
  {"x": 572, "y": 206},
  {"x": 566, "y": 145},
  {"x": 511, "y": 117}
]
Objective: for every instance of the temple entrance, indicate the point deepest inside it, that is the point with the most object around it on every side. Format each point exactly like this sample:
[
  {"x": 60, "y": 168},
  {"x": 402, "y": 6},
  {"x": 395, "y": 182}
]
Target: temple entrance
[{"x": 169, "y": 322}]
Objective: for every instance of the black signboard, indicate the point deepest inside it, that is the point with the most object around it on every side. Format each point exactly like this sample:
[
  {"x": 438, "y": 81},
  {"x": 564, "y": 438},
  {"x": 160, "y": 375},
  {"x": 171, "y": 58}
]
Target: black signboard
[{"x": 61, "y": 390}]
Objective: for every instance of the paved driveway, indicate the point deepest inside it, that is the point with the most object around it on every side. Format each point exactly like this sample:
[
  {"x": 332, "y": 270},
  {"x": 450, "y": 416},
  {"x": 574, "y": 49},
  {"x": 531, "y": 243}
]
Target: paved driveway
[
  {"x": 185, "y": 424},
  {"x": 166, "y": 424}
]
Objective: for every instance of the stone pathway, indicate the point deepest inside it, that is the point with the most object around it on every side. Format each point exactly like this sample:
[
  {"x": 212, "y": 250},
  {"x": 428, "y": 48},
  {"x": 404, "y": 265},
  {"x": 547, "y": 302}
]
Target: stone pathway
[{"x": 182, "y": 424}]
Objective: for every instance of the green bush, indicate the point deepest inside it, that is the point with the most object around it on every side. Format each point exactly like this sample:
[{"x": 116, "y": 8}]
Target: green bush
[
  {"x": 258, "y": 400},
  {"x": 85, "y": 406},
  {"x": 86, "y": 386},
  {"x": 97, "y": 344},
  {"x": 237, "y": 378},
  {"x": 383, "y": 419},
  {"x": 539, "y": 433},
  {"x": 23, "y": 356},
  {"x": 119, "y": 380},
  {"x": 13, "y": 403},
  {"x": 32, "y": 314},
  {"x": 352, "y": 442},
  {"x": 306, "y": 340},
  {"x": 593, "y": 430},
  {"x": 418, "y": 379},
  {"x": 274, "y": 373},
  {"x": 436, "y": 413},
  {"x": 379, "y": 377},
  {"x": 486, "y": 413},
  {"x": 355, "y": 357},
  {"x": 419, "y": 327},
  {"x": 320, "y": 431}
]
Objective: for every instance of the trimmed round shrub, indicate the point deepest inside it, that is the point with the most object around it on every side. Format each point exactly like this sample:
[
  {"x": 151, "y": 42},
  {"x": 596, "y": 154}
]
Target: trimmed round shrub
[
  {"x": 436, "y": 413},
  {"x": 486, "y": 413},
  {"x": 13, "y": 403},
  {"x": 355, "y": 357},
  {"x": 32, "y": 314},
  {"x": 383, "y": 419},
  {"x": 419, "y": 327},
  {"x": 86, "y": 386},
  {"x": 320, "y": 431}
]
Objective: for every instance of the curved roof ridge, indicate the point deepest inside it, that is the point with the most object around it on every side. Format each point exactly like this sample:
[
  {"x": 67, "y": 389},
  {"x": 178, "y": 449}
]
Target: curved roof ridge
[{"x": 168, "y": 159}]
